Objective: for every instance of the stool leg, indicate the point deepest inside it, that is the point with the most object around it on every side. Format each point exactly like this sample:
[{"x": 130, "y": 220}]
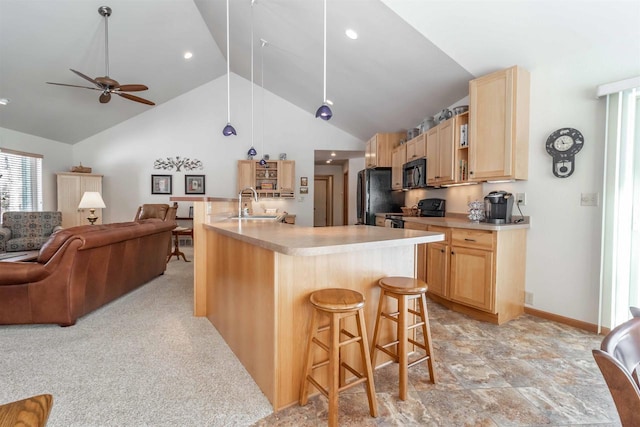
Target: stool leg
[
  {"x": 366, "y": 363},
  {"x": 402, "y": 345},
  {"x": 376, "y": 329},
  {"x": 426, "y": 333},
  {"x": 304, "y": 387},
  {"x": 334, "y": 368}
]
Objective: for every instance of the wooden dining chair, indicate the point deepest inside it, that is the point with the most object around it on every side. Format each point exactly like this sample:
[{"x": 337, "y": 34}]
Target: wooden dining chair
[
  {"x": 30, "y": 412},
  {"x": 618, "y": 359}
]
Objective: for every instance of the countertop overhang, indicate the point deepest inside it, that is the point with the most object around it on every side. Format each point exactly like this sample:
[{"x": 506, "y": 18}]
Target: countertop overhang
[{"x": 310, "y": 241}]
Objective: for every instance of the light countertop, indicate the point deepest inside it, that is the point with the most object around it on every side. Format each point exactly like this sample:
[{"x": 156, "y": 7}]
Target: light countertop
[
  {"x": 310, "y": 241},
  {"x": 461, "y": 221}
]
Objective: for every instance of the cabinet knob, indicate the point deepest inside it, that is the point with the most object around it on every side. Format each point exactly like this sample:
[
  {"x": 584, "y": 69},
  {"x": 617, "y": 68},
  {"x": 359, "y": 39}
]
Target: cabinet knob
[
  {"x": 442, "y": 250},
  {"x": 453, "y": 253}
]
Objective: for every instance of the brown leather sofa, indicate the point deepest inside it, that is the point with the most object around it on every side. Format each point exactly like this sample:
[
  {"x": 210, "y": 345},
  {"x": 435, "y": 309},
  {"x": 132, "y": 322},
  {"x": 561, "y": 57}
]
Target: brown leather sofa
[{"x": 80, "y": 269}]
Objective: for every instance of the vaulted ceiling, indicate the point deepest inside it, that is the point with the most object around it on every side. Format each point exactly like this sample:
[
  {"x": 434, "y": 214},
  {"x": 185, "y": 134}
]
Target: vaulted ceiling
[{"x": 412, "y": 57}]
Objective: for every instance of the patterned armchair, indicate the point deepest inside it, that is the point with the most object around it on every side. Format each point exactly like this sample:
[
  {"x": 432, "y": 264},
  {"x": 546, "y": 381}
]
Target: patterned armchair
[{"x": 27, "y": 231}]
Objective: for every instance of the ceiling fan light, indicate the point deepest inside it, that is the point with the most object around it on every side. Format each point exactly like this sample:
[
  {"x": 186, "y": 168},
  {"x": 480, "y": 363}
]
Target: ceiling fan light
[
  {"x": 324, "y": 112},
  {"x": 229, "y": 130}
]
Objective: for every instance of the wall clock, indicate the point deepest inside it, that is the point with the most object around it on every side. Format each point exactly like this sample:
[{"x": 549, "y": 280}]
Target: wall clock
[{"x": 562, "y": 145}]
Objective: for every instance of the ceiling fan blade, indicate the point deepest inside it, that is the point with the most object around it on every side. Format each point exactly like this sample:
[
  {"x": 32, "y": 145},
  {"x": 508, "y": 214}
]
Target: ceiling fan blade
[
  {"x": 132, "y": 88},
  {"x": 87, "y": 78},
  {"x": 135, "y": 98},
  {"x": 64, "y": 84},
  {"x": 105, "y": 97}
]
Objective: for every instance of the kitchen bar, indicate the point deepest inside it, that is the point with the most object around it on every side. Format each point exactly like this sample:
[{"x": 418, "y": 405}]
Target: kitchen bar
[{"x": 253, "y": 280}]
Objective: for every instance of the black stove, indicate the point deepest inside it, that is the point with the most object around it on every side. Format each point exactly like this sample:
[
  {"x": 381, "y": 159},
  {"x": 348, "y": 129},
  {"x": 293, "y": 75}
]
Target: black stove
[{"x": 432, "y": 207}]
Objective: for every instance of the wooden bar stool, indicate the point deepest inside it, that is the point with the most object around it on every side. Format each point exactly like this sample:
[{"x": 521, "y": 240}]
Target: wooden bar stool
[
  {"x": 338, "y": 304},
  {"x": 404, "y": 289}
]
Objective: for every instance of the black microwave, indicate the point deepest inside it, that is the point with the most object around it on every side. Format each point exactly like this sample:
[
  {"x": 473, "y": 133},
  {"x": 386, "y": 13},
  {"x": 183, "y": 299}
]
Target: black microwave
[{"x": 414, "y": 174}]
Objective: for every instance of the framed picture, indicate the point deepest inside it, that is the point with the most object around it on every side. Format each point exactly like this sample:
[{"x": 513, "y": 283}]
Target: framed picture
[
  {"x": 304, "y": 181},
  {"x": 160, "y": 184},
  {"x": 304, "y": 190},
  {"x": 194, "y": 184}
]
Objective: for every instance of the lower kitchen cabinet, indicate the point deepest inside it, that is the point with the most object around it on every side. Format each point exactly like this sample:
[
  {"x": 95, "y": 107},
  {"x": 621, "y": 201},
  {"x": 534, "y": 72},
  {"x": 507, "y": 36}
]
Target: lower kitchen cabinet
[{"x": 477, "y": 272}]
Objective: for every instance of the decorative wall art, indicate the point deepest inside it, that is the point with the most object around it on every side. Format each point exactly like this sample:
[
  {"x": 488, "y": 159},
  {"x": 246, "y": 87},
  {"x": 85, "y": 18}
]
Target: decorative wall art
[
  {"x": 194, "y": 184},
  {"x": 304, "y": 181},
  {"x": 160, "y": 184},
  {"x": 179, "y": 163},
  {"x": 304, "y": 190}
]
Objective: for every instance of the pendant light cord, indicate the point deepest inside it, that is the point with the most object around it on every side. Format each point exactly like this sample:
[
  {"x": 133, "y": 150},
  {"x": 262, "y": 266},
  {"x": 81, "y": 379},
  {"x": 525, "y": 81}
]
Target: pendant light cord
[
  {"x": 324, "y": 99},
  {"x": 264, "y": 43},
  {"x": 228, "y": 77},
  {"x": 106, "y": 44},
  {"x": 252, "y": 2}
]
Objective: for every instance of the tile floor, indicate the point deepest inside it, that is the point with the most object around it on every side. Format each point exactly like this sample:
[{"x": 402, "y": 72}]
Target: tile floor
[{"x": 527, "y": 372}]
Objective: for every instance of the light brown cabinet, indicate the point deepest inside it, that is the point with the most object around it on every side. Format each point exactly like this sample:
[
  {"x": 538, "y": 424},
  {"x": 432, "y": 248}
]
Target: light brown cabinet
[
  {"x": 378, "y": 149},
  {"x": 440, "y": 153},
  {"x": 477, "y": 272},
  {"x": 71, "y": 186},
  {"x": 276, "y": 179},
  {"x": 398, "y": 159},
  {"x": 416, "y": 148},
  {"x": 499, "y": 125}
]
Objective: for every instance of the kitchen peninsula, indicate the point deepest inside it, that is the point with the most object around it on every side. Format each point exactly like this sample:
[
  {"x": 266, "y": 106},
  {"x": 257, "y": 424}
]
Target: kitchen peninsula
[{"x": 253, "y": 280}]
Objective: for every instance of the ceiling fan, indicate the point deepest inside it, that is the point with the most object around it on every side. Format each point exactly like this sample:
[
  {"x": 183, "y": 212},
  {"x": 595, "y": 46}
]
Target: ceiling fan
[{"x": 105, "y": 84}]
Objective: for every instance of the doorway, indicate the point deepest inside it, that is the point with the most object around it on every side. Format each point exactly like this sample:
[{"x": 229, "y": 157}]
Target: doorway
[{"x": 323, "y": 201}]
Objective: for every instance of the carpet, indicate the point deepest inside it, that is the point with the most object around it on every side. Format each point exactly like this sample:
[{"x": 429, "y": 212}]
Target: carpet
[{"x": 142, "y": 360}]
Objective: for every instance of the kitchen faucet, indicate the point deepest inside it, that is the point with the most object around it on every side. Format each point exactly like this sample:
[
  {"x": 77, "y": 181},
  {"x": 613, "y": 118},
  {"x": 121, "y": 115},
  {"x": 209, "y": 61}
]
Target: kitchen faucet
[{"x": 255, "y": 198}]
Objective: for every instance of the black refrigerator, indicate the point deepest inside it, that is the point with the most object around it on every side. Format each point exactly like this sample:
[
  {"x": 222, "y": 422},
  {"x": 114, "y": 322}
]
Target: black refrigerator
[{"x": 375, "y": 195}]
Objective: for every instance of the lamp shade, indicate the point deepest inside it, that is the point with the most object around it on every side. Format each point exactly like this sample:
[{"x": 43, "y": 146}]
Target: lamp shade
[
  {"x": 91, "y": 200},
  {"x": 324, "y": 112}
]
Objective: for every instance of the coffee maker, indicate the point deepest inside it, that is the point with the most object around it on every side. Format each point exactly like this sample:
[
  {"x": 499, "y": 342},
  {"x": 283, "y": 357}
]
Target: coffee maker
[{"x": 497, "y": 207}]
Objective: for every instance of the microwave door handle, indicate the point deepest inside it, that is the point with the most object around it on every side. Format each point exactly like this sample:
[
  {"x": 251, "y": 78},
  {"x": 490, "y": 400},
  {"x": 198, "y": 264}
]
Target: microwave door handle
[{"x": 415, "y": 179}]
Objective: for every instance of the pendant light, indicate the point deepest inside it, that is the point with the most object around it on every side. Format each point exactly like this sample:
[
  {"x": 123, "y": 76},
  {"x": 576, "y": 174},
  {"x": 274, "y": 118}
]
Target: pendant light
[
  {"x": 228, "y": 129},
  {"x": 263, "y": 43},
  {"x": 324, "y": 112},
  {"x": 252, "y": 151}
]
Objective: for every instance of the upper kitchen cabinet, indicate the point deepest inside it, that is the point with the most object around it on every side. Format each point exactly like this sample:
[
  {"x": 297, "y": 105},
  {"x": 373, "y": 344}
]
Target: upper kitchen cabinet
[
  {"x": 416, "y": 148},
  {"x": 379, "y": 148},
  {"x": 499, "y": 125},
  {"x": 398, "y": 159},
  {"x": 440, "y": 153}
]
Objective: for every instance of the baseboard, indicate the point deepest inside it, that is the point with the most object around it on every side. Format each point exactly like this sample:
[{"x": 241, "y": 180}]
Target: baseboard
[{"x": 586, "y": 326}]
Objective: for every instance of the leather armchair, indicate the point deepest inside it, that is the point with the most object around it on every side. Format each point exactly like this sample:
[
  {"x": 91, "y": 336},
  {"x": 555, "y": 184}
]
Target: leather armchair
[
  {"x": 619, "y": 359},
  {"x": 27, "y": 231},
  {"x": 156, "y": 210}
]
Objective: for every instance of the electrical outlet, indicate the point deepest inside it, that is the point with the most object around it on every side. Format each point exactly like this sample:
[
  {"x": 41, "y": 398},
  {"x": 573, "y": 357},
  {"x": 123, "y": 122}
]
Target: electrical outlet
[
  {"x": 521, "y": 198},
  {"x": 589, "y": 199},
  {"x": 300, "y": 198},
  {"x": 528, "y": 298}
]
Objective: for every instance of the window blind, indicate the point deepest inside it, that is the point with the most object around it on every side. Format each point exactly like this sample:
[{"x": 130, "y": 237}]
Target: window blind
[{"x": 20, "y": 181}]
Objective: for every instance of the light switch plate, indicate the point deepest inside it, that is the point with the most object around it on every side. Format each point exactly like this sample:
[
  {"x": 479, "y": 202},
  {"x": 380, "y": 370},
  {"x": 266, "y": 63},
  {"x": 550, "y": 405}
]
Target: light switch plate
[{"x": 589, "y": 199}]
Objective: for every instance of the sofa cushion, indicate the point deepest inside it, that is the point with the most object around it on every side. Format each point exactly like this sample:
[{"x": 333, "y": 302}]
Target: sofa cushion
[
  {"x": 31, "y": 224},
  {"x": 26, "y": 243}
]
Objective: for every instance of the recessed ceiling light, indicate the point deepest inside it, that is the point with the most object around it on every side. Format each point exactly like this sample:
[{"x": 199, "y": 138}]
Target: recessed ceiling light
[
  {"x": 351, "y": 34},
  {"x": 4, "y": 101},
  {"x": 188, "y": 55},
  {"x": 329, "y": 161},
  {"x": 333, "y": 154}
]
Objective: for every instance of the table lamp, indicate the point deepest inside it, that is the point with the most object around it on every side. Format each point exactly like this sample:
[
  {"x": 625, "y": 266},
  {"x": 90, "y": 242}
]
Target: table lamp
[{"x": 91, "y": 200}]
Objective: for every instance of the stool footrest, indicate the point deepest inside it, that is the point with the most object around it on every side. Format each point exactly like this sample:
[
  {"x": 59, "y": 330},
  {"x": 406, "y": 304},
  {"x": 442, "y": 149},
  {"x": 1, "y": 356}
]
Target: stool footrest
[
  {"x": 415, "y": 325},
  {"x": 318, "y": 386},
  {"x": 321, "y": 344},
  {"x": 390, "y": 353},
  {"x": 391, "y": 316},
  {"x": 417, "y": 344},
  {"x": 352, "y": 384},
  {"x": 320, "y": 364},
  {"x": 349, "y": 341},
  {"x": 420, "y": 360}
]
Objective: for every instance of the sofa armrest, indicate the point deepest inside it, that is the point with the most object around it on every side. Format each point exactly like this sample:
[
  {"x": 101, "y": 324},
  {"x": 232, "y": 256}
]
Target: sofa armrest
[
  {"x": 5, "y": 235},
  {"x": 18, "y": 273},
  {"x": 56, "y": 229}
]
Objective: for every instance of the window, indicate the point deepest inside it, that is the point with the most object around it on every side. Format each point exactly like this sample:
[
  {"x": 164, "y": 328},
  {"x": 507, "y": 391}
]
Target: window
[
  {"x": 20, "y": 181},
  {"x": 620, "y": 277}
]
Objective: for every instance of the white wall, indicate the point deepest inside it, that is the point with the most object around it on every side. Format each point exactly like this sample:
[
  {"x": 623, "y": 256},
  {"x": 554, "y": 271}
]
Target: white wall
[
  {"x": 56, "y": 158},
  {"x": 191, "y": 126}
]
